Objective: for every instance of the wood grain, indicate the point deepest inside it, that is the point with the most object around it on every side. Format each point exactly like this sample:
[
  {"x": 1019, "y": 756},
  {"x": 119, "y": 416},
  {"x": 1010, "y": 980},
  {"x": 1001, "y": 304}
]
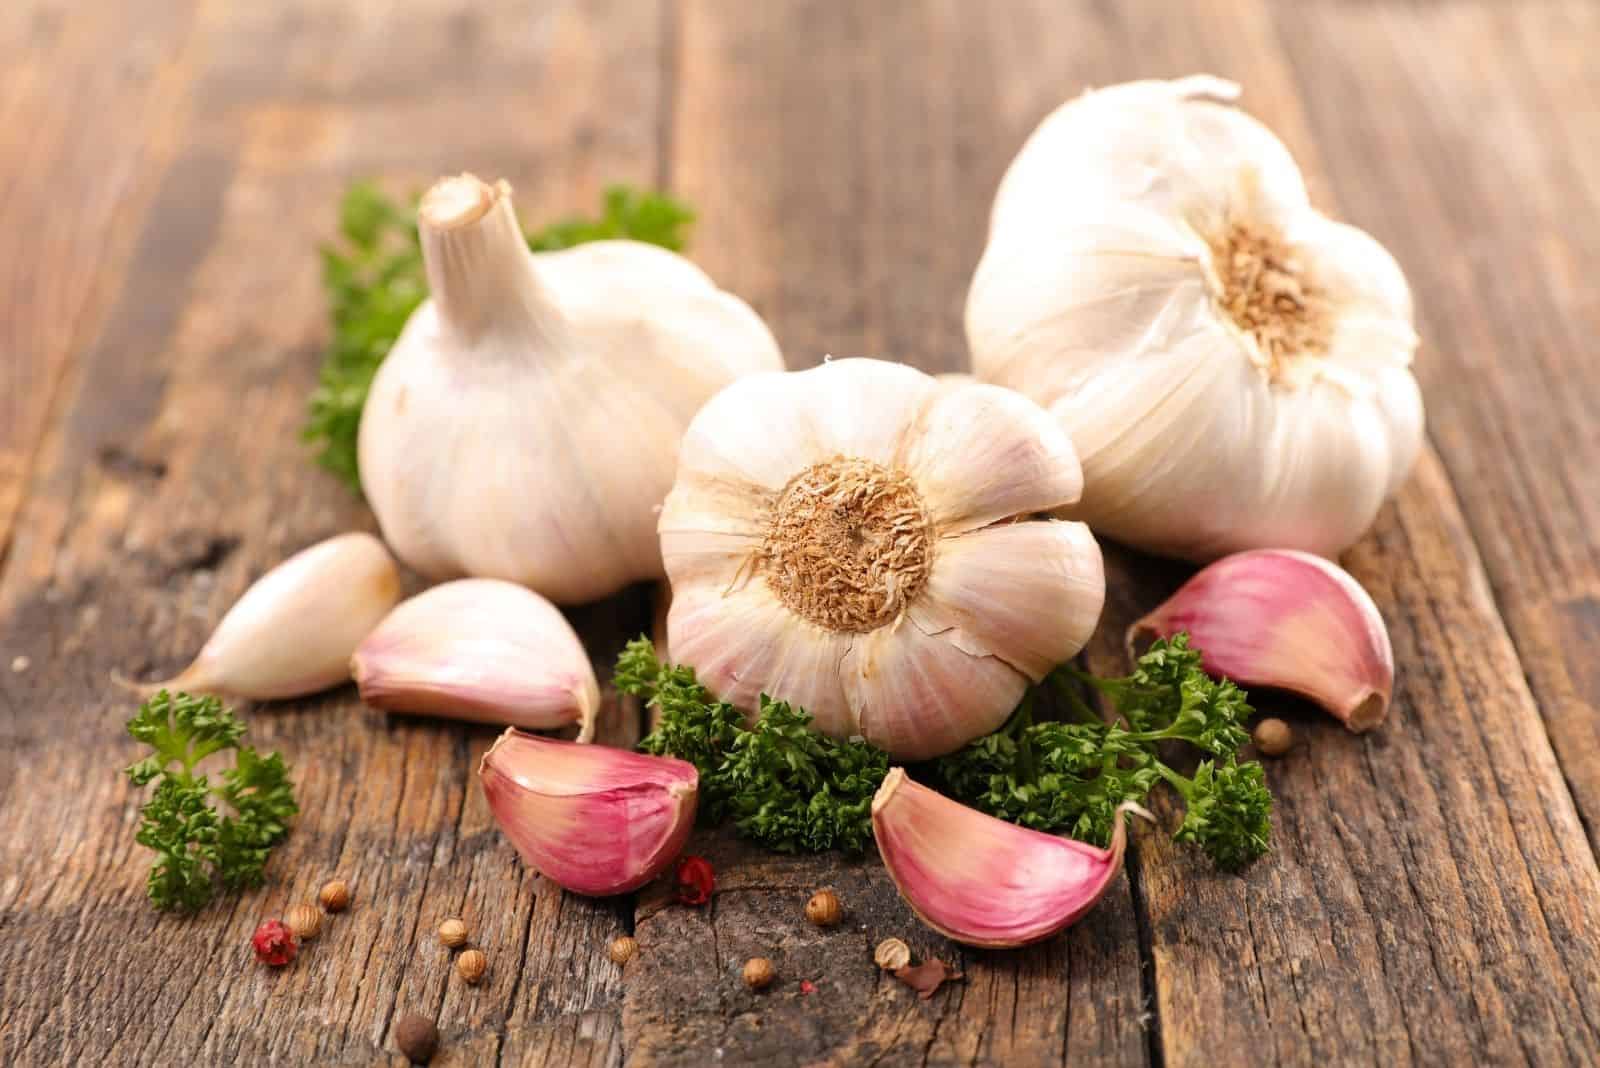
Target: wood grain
[{"x": 1433, "y": 896}]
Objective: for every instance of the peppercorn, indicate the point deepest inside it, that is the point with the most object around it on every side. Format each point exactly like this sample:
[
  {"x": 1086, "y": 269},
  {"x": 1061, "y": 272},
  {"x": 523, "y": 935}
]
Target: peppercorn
[
  {"x": 1273, "y": 737},
  {"x": 304, "y": 921},
  {"x": 274, "y": 944},
  {"x": 824, "y": 909},
  {"x": 696, "y": 880},
  {"x": 622, "y": 949},
  {"x": 758, "y": 973},
  {"x": 417, "y": 1038},
  {"x": 471, "y": 964},
  {"x": 892, "y": 954},
  {"x": 453, "y": 933},
  {"x": 335, "y": 896}
]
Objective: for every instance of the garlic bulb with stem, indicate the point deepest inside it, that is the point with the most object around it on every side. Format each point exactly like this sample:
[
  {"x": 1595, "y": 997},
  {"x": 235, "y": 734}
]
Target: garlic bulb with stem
[
  {"x": 526, "y": 423},
  {"x": 293, "y": 630},
  {"x": 862, "y": 541},
  {"x": 480, "y": 649},
  {"x": 1232, "y": 365}
]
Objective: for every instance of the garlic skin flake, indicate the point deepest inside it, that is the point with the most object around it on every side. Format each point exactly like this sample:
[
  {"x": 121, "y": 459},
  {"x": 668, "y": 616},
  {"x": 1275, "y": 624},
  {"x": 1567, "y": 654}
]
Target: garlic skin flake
[
  {"x": 294, "y": 629},
  {"x": 859, "y": 539},
  {"x": 982, "y": 881},
  {"x": 526, "y": 424},
  {"x": 484, "y": 650},
  {"x": 1289, "y": 621},
  {"x": 592, "y": 819},
  {"x": 1232, "y": 366}
]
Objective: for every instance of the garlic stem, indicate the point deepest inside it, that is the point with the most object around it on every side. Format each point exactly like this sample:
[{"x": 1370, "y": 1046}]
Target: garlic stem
[{"x": 480, "y": 271}]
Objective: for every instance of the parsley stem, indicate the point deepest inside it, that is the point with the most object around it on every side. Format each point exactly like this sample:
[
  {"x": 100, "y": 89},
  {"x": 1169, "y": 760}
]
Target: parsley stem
[
  {"x": 1064, "y": 687},
  {"x": 1024, "y": 717}
]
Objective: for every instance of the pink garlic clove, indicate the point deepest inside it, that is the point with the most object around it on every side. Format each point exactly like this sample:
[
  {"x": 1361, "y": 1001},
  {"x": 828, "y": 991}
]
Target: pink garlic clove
[
  {"x": 1286, "y": 620},
  {"x": 592, "y": 819},
  {"x": 982, "y": 881},
  {"x": 482, "y": 650}
]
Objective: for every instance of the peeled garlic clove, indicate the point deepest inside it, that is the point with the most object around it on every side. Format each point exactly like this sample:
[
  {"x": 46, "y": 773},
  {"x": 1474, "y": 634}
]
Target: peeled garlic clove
[
  {"x": 982, "y": 881},
  {"x": 483, "y": 650},
  {"x": 1286, "y": 620},
  {"x": 592, "y": 819},
  {"x": 293, "y": 631}
]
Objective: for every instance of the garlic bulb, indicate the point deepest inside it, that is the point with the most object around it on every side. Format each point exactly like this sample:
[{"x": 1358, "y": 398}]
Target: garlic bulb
[
  {"x": 858, "y": 539},
  {"x": 526, "y": 424},
  {"x": 484, "y": 650},
  {"x": 294, "y": 629},
  {"x": 1233, "y": 367}
]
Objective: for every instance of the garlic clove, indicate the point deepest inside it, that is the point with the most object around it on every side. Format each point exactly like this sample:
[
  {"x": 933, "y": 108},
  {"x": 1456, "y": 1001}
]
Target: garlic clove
[
  {"x": 1029, "y": 594},
  {"x": 293, "y": 631},
  {"x": 1286, "y": 620},
  {"x": 483, "y": 650},
  {"x": 592, "y": 819},
  {"x": 744, "y": 643},
  {"x": 982, "y": 881},
  {"x": 981, "y": 453},
  {"x": 919, "y": 696}
]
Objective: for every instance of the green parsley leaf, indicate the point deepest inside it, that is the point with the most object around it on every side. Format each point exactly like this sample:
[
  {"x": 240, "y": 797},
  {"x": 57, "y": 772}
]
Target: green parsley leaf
[
  {"x": 195, "y": 841},
  {"x": 375, "y": 279}
]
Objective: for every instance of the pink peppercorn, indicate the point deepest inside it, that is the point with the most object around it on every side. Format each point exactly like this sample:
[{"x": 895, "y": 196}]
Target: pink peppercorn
[{"x": 274, "y": 944}]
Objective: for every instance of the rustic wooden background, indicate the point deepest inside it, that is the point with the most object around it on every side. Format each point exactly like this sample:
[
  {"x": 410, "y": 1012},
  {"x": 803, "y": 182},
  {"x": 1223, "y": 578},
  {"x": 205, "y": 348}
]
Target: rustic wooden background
[{"x": 167, "y": 170}]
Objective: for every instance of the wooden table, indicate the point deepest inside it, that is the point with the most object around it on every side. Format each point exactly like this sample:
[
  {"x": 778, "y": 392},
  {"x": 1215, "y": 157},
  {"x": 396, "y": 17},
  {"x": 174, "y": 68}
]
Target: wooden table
[{"x": 167, "y": 170}]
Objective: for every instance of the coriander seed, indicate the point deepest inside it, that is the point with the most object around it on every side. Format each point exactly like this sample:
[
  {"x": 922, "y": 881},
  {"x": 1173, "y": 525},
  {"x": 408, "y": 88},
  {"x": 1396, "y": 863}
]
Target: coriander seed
[
  {"x": 305, "y": 921},
  {"x": 335, "y": 896},
  {"x": 622, "y": 949},
  {"x": 824, "y": 909},
  {"x": 417, "y": 1038},
  {"x": 1273, "y": 737},
  {"x": 892, "y": 954},
  {"x": 758, "y": 973},
  {"x": 471, "y": 964},
  {"x": 453, "y": 933}
]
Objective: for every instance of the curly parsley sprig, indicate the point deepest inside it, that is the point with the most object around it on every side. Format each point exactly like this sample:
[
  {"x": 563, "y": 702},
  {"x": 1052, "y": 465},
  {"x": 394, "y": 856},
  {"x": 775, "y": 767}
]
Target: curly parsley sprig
[
  {"x": 375, "y": 280},
  {"x": 795, "y": 790},
  {"x": 197, "y": 841}
]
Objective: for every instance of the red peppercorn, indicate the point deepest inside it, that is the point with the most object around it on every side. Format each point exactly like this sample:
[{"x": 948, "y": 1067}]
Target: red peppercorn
[
  {"x": 274, "y": 944},
  {"x": 807, "y": 986},
  {"x": 695, "y": 881}
]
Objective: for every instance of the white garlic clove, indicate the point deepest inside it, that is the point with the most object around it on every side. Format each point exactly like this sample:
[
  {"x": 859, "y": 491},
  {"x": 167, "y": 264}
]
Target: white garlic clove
[
  {"x": 1289, "y": 621},
  {"x": 525, "y": 425},
  {"x": 982, "y": 881},
  {"x": 592, "y": 819},
  {"x": 293, "y": 631},
  {"x": 1029, "y": 594},
  {"x": 482, "y": 650}
]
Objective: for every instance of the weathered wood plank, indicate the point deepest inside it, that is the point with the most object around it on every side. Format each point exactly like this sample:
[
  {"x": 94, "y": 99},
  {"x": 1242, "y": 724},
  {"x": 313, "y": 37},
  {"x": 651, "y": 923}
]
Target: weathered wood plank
[
  {"x": 1425, "y": 877},
  {"x": 177, "y": 477},
  {"x": 89, "y": 112},
  {"x": 1472, "y": 160},
  {"x": 847, "y": 200}
]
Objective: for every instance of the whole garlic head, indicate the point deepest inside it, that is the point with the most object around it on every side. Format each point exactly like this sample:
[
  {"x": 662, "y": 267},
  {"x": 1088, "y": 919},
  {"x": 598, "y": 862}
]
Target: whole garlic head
[
  {"x": 526, "y": 424},
  {"x": 1233, "y": 367},
  {"x": 860, "y": 540}
]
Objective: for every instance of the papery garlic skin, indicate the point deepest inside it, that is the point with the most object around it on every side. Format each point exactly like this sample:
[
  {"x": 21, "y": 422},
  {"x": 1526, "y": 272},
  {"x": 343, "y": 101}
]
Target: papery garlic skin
[
  {"x": 1289, "y": 621},
  {"x": 982, "y": 881},
  {"x": 860, "y": 540},
  {"x": 525, "y": 425},
  {"x": 592, "y": 819},
  {"x": 484, "y": 650},
  {"x": 293, "y": 630},
  {"x": 1139, "y": 248}
]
